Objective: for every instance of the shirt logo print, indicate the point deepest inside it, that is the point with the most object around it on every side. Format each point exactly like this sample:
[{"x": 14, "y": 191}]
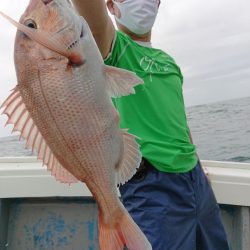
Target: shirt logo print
[{"x": 150, "y": 65}]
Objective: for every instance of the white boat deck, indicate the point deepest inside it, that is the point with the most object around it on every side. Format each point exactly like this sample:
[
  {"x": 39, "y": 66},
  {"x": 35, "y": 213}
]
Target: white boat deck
[{"x": 26, "y": 177}]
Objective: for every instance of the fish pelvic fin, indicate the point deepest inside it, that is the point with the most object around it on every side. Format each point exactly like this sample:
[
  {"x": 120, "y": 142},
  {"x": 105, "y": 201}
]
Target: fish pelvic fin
[
  {"x": 120, "y": 232},
  {"x": 131, "y": 158},
  {"x": 19, "y": 116},
  {"x": 121, "y": 82}
]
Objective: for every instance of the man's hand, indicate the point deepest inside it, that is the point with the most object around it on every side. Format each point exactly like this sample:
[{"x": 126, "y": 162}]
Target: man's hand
[
  {"x": 96, "y": 14},
  {"x": 205, "y": 170}
]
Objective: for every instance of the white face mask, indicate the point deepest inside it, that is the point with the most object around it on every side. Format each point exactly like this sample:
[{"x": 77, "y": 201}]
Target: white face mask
[{"x": 137, "y": 15}]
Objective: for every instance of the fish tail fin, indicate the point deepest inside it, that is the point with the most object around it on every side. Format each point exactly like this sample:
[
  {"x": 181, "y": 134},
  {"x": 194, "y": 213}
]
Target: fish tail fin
[{"x": 121, "y": 232}]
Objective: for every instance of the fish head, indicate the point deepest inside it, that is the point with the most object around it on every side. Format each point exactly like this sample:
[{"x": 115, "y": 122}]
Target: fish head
[{"x": 52, "y": 29}]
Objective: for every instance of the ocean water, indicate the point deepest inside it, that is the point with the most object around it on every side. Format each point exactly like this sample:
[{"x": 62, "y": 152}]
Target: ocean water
[{"x": 220, "y": 131}]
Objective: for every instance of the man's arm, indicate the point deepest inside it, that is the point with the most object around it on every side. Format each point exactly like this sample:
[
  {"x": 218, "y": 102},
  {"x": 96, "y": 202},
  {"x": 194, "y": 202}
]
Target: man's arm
[
  {"x": 204, "y": 168},
  {"x": 96, "y": 14}
]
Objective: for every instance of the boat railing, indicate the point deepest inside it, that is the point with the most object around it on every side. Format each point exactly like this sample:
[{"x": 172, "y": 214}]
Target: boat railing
[
  {"x": 27, "y": 177},
  {"x": 26, "y": 185}
]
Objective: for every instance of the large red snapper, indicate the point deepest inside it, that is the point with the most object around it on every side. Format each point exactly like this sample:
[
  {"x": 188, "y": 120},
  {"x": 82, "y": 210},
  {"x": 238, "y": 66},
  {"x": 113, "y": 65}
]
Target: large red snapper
[{"x": 62, "y": 107}]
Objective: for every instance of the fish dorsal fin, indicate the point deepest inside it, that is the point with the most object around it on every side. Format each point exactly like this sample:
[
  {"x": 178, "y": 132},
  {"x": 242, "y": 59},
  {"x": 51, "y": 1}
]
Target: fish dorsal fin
[
  {"x": 121, "y": 82},
  {"x": 131, "y": 159},
  {"x": 19, "y": 116}
]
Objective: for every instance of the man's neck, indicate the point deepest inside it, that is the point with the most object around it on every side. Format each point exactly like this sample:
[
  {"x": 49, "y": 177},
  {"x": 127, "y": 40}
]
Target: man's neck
[
  {"x": 144, "y": 44},
  {"x": 145, "y": 39},
  {"x": 141, "y": 38}
]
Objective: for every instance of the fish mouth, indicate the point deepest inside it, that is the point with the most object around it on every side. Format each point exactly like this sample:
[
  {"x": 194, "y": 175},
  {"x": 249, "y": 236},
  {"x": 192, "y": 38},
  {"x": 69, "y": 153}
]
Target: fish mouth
[{"x": 76, "y": 61}]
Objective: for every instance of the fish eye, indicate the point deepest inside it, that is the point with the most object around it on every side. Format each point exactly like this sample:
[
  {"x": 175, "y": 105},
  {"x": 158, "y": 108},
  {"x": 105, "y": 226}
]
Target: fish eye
[{"x": 30, "y": 23}]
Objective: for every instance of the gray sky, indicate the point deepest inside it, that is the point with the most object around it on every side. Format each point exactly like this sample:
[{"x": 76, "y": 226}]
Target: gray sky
[{"x": 210, "y": 40}]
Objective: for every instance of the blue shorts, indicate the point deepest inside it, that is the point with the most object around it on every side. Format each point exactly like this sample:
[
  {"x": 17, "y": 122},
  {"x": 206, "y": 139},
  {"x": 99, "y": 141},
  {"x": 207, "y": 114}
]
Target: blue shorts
[{"x": 175, "y": 211}]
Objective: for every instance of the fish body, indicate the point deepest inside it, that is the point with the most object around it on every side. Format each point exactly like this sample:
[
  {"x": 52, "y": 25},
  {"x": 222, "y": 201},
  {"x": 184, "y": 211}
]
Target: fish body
[{"x": 62, "y": 107}]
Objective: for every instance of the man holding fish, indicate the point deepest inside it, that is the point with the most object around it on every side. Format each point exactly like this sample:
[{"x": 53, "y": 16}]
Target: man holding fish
[
  {"x": 169, "y": 197},
  {"x": 62, "y": 107}
]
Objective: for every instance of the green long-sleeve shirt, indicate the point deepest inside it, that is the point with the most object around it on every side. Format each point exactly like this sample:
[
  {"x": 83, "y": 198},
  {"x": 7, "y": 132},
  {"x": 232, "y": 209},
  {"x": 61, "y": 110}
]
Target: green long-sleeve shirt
[{"x": 156, "y": 113}]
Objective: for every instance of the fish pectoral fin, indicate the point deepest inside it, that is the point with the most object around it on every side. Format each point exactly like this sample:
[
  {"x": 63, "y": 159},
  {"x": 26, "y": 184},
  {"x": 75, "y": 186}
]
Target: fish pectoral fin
[
  {"x": 131, "y": 159},
  {"x": 121, "y": 82},
  {"x": 19, "y": 116}
]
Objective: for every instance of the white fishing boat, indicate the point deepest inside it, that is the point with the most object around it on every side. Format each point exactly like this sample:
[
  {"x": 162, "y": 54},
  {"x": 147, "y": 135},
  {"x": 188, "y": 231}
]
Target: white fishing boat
[{"x": 38, "y": 213}]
